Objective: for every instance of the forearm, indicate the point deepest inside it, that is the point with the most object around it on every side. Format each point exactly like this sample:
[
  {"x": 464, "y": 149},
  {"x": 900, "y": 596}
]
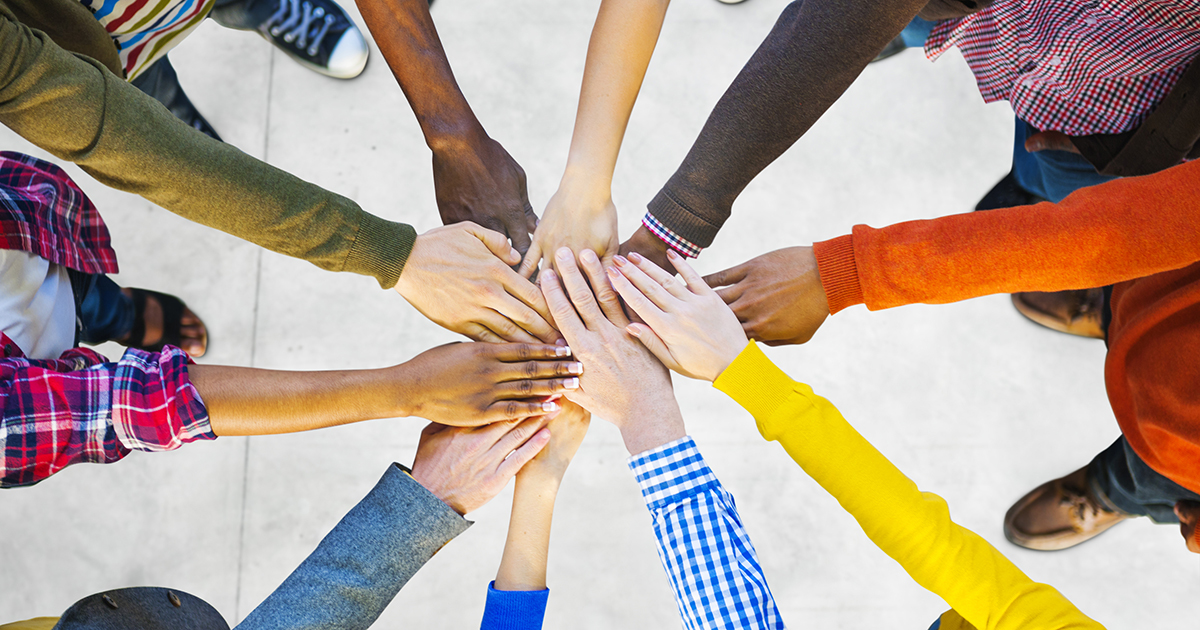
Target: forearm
[
  {"x": 1119, "y": 230},
  {"x": 523, "y": 565},
  {"x": 408, "y": 40},
  {"x": 251, "y": 401},
  {"x": 621, "y": 45},
  {"x": 815, "y": 51}
]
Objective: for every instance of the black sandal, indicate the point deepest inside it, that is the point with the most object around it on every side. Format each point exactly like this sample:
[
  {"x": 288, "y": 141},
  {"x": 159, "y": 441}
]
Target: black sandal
[{"x": 172, "y": 325}]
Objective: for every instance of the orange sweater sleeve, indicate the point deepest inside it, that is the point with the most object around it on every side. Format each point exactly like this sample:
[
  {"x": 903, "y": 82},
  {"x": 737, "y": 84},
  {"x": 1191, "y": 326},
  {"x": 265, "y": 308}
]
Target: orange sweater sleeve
[{"x": 1116, "y": 231}]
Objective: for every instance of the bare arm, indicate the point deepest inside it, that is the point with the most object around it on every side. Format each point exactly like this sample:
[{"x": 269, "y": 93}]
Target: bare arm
[
  {"x": 581, "y": 214},
  {"x": 462, "y": 384},
  {"x": 475, "y": 179}
]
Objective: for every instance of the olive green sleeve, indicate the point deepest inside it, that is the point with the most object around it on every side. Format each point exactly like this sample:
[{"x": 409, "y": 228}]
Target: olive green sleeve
[{"x": 74, "y": 108}]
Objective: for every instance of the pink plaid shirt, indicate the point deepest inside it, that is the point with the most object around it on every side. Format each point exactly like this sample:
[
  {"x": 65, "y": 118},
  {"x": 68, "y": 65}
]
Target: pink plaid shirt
[{"x": 1080, "y": 67}]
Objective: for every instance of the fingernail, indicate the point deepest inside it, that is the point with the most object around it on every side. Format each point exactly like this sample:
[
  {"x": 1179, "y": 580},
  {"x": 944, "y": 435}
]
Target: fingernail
[
  {"x": 671, "y": 254},
  {"x": 562, "y": 351},
  {"x": 563, "y": 253},
  {"x": 550, "y": 406},
  {"x": 514, "y": 253},
  {"x": 635, "y": 257},
  {"x": 631, "y": 330},
  {"x": 588, "y": 256},
  {"x": 571, "y": 383},
  {"x": 575, "y": 368},
  {"x": 612, "y": 273},
  {"x": 620, "y": 260},
  {"x": 548, "y": 274}
]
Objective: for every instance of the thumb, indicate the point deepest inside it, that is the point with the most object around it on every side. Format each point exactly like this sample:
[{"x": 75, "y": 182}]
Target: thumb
[
  {"x": 654, "y": 344},
  {"x": 494, "y": 241},
  {"x": 725, "y": 277},
  {"x": 530, "y": 263}
]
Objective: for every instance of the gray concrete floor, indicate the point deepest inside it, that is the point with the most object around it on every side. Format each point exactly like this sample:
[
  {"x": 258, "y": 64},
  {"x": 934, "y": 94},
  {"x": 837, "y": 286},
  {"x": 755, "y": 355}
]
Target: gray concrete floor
[{"x": 969, "y": 399}]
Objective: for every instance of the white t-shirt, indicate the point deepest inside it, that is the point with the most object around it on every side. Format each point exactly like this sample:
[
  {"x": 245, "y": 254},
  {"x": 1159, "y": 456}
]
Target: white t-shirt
[{"x": 37, "y": 306}]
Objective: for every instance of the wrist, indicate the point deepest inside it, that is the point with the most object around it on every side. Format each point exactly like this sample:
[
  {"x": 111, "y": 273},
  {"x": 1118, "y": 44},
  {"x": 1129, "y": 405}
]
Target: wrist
[
  {"x": 448, "y": 138},
  {"x": 404, "y": 400},
  {"x": 539, "y": 482},
  {"x": 587, "y": 182},
  {"x": 650, "y": 429}
]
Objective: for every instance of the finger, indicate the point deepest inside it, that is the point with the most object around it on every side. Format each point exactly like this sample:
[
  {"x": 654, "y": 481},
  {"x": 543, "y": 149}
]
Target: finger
[
  {"x": 641, "y": 305},
  {"x": 660, "y": 275},
  {"x": 534, "y": 388},
  {"x": 646, "y": 285},
  {"x": 577, "y": 288},
  {"x": 528, "y": 292},
  {"x": 1050, "y": 141},
  {"x": 538, "y": 370},
  {"x": 731, "y": 294},
  {"x": 695, "y": 283},
  {"x": 517, "y": 434},
  {"x": 520, "y": 314},
  {"x": 529, "y": 264},
  {"x": 479, "y": 332},
  {"x": 504, "y": 328},
  {"x": 560, "y": 306},
  {"x": 529, "y": 352},
  {"x": 727, "y": 276},
  {"x": 495, "y": 241},
  {"x": 517, "y": 460},
  {"x": 502, "y": 410},
  {"x": 654, "y": 344},
  {"x": 518, "y": 230},
  {"x": 610, "y": 302}
]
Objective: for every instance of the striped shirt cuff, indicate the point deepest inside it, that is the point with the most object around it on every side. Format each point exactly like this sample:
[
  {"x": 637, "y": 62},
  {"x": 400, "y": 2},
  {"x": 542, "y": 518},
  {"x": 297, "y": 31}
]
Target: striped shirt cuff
[
  {"x": 686, "y": 248},
  {"x": 672, "y": 472}
]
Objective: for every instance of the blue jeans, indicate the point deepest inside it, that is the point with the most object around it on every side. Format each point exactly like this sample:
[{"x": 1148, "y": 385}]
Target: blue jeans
[
  {"x": 105, "y": 314},
  {"x": 1051, "y": 174},
  {"x": 1130, "y": 485}
]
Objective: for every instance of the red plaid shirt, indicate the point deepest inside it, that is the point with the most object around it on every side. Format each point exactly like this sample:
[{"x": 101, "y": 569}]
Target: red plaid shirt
[
  {"x": 79, "y": 407},
  {"x": 1076, "y": 66}
]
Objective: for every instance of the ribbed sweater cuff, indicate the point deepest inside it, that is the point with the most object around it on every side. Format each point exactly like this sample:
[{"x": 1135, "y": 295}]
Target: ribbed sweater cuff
[
  {"x": 681, "y": 221},
  {"x": 839, "y": 272},
  {"x": 755, "y": 383},
  {"x": 514, "y": 610},
  {"x": 380, "y": 249}
]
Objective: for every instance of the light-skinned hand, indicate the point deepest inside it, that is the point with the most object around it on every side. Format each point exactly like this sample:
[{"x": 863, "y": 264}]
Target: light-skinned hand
[
  {"x": 469, "y": 384},
  {"x": 622, "y": 382},
  {"x": 567, "y": 430},
  {"x": 467, "y": 467},
  {"x": 460, "y": 277},
  {"x": 578, "y": 220},
  {"x": 778, "y": 296},
  {"x": 687, "y": 325}
]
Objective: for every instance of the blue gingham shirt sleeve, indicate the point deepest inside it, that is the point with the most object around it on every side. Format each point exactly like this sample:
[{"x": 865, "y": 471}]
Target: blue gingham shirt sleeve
[{"x": 704, "y": 549}]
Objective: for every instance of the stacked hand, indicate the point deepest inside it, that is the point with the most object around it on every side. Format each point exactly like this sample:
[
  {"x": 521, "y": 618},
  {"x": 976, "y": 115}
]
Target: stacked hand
[
  {"x": 778, "y": 296},
  {"x": 577, "y": 220},
  {"x": 478, "y": 181}
]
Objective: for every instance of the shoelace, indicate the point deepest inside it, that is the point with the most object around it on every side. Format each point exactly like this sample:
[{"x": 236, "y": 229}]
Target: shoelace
[
  {"x": 1085, "y": 511},
  {"x": 294, "y": 20}
]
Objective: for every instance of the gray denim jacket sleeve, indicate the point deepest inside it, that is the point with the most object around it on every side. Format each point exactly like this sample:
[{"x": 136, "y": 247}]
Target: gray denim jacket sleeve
[{"x": 360, "y": 566}]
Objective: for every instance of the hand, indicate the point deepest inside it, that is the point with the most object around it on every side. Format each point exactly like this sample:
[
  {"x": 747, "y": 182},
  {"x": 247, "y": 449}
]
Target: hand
[
  {"x": 687, "y": 326},
  {"x": 567, "y": 430},
  {"x": 778, "y": 296},
  {"x": 622, "y": 381},
  {"x": 647, "y": 244},
  {"x": 479, "y": 181},
  {"x": 576, "y": 221},
  {"x": 1050, "y": 141},
  {"x": 459, "y": 277},
  {"x": 469, "y": 384},
  {"x": 1189, "y": 520},
  {"x": 466, "y": 468}
]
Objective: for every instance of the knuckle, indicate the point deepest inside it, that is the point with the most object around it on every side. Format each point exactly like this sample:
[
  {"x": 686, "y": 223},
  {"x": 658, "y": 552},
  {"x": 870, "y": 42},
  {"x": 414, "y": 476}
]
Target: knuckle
[{"x": 525, "y": 387}]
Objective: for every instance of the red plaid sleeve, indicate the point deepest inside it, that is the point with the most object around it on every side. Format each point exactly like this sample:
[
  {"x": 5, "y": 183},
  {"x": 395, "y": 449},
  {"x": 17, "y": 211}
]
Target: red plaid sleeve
[{"x": 80, "y": 408}]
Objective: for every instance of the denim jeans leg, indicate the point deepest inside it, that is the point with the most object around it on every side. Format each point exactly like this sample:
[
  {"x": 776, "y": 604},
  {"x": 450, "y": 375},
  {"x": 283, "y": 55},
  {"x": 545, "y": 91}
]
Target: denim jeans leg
[
  {"x": 106, "y": 314},
  {"x": 1119, "y": 476},
  {"x": 1062, "y": 172}
]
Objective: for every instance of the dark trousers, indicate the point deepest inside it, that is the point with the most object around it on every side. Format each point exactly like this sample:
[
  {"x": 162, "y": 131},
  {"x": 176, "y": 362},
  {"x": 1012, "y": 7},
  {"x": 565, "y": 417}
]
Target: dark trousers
[
  {"x": 1119, "y": 476},
  {"x": 102, "y": 312}
]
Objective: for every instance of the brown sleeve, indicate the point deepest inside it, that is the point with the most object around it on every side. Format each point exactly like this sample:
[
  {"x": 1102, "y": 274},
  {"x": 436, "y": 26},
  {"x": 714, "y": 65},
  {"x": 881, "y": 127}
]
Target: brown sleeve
[
  {"x": 1101, "y": 235},
  {"x": 74, "y": 108}
]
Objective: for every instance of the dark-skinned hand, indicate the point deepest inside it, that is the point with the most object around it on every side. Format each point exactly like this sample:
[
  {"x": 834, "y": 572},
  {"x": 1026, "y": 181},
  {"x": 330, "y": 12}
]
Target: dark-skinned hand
[
  {"x": 777, "y": 297},
  {"x": 470, "y": 384},
  {"x": 479, "y": 181},
  {"x": 648, "y": 245}
]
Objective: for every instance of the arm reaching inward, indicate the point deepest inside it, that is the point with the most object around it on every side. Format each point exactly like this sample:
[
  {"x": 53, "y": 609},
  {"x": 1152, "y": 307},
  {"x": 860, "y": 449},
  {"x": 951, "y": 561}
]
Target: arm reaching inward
[
  {"x": 581, "y": 214},
  {"x": 474, "y": 178}
]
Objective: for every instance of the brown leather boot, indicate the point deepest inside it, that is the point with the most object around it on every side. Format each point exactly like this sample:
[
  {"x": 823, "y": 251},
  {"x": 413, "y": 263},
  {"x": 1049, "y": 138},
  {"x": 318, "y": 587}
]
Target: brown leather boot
[
  {"x": 1076, "y": 312},
  {"x": 1059, "y": 514}
]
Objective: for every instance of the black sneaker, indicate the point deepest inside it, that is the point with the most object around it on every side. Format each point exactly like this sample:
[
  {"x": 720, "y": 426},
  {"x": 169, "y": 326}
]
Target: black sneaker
[{"x": 316, "y": 33}]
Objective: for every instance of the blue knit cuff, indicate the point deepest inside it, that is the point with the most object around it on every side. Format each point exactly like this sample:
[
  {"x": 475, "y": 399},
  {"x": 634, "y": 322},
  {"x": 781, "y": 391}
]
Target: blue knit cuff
[{"x": 514, "y": 610}]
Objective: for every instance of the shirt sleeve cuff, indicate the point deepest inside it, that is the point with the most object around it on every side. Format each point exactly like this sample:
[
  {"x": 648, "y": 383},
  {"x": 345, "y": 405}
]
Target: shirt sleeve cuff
[
  {"x": 684, "y": 247},
  {"x": 672, "y": 472},
  {"x": 514, "y": 610},
  {"x": 839, "y": 272},
  {"x": 155, "y": 406}
]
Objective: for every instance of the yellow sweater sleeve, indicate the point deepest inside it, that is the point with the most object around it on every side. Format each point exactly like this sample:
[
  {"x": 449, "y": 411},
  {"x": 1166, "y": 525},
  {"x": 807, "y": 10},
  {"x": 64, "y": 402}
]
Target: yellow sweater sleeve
[{"x": 982, "y": 586}]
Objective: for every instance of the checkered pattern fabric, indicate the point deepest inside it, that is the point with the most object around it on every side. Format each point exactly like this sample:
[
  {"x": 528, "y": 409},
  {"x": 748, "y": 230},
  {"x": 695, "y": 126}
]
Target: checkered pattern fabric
[
  {"x": 684, "y": 247},
  {"x": 43, "y": 212},
  {"x": 82, "y": 408},
  {"x": 1080, "y": 67},
  {"x": 707, "y": 554}
]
